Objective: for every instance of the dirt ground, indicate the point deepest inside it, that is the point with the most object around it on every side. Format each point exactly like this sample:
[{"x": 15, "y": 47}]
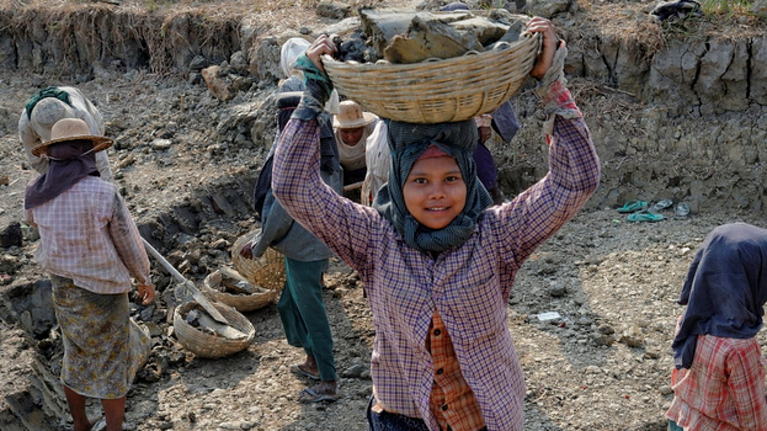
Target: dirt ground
[{"x": 604, "y": 363}]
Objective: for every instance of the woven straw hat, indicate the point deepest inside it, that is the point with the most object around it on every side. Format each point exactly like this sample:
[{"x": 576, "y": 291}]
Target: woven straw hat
[
  {"x": 351, "y": 116},
  {"x": 72, "y": 129}
]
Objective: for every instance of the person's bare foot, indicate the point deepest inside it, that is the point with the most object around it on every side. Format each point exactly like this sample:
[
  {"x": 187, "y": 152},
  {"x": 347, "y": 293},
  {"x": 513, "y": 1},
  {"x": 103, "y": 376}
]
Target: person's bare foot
[
  {"x": 92, "y": 423},
  {"x": 304, "y": 371},
  {"x": 307, "y": 369}
]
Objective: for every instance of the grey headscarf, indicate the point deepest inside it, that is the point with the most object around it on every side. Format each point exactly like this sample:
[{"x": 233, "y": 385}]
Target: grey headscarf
[{"x": 407, "y": 142}]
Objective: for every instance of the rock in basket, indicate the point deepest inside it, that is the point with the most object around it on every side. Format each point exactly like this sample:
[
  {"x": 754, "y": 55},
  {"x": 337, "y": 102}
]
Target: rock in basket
[
  {"x": 206, "y": 341},
  {"x": 233, "y": 289},
  {"x": 437, "y": 91}
]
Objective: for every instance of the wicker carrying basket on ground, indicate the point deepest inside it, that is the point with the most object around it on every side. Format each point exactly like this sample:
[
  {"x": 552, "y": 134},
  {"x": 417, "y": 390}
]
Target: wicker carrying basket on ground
[
  {"x": 243, "y": 302},
  {"x": 453, "y": 89},
  {"x": 268, "y": 271},
  {"x": 207, "y": 345}
]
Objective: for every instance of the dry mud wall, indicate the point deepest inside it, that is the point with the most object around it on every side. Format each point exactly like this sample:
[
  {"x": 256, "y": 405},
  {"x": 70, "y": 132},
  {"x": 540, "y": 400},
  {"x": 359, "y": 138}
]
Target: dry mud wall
[
  {"x": 684, "y": 120},
  {"x": 687, "y": 122}
]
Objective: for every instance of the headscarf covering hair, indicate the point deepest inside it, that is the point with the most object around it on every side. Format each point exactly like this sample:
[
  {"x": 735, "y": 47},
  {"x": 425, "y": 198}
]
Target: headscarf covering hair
[
  {"x": 289, "y": 52},
  {"x": 725, "y": 289},
  {"x": 54, "y": 92},
  {"x": 407, "y": 142},
  {"x": 69, "y": 162}
]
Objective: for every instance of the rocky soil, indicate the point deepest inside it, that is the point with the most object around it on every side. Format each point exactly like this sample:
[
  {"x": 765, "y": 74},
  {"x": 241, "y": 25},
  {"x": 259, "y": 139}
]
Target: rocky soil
[{"x": 186, "y": 157}]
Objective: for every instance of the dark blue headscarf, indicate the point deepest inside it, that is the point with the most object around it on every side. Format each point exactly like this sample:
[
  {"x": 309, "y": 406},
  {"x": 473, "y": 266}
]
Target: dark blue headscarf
[
  {"x": 725, "y": 289},
  {"x": 407, "y": 142}
]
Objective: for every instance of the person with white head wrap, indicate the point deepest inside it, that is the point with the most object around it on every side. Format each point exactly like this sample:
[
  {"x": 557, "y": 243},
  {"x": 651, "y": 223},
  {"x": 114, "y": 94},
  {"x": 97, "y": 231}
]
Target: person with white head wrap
[
  {"x": 50, "y": 105},
  {"x": 294, "y": 78}
]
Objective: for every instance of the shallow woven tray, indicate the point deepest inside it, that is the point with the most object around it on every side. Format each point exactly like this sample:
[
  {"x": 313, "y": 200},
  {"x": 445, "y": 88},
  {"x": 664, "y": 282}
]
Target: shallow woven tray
[
  {"x": 242, "y": 302},
  {"x": 453, "y": 89},
  {"x": 268, "y": 271},
  {"x": 208, "y": 345}
]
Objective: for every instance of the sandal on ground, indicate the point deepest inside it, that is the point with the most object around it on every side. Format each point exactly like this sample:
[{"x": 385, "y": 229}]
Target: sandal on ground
[
  {"x": 681, "y": 210},
  {"x": 661, "y": 205},
  {"x": 300, "y": 371},
  {"x": 309, "y": 396},
  {"x": 645, "y": 216},
  {"x": 99, "y": 424},
  {"x": 632, "y": 206}
]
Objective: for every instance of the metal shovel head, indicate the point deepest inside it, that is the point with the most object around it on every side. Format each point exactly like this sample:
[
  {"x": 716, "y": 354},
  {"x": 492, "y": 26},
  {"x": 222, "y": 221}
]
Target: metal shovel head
[{"x": 196, "y": 294}]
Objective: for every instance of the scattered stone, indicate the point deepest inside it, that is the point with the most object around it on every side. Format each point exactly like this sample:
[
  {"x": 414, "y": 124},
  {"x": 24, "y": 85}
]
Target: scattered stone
[
  {"x": 333, "y": 9},
  {"x": 218, "y": 86},
  {"x": 632, "y": 337},
  {"x": 161, "y": 144},
  {"x": 557, "y": 289},
  {"x": 355, "y": 371},
  {"x": 11, "y": 235}
]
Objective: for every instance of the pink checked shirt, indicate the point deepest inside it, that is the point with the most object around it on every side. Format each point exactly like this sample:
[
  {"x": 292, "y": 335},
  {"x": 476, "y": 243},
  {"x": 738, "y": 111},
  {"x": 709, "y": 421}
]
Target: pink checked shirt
[
  {"x": 725, "y": 388},
  {"x": 88, "y": 235},
  {"x": 469, "y": 285}
]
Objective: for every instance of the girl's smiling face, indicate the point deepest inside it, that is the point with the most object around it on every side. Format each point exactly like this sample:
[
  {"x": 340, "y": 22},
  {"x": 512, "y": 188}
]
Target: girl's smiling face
[{"x": 434, "y": 191}]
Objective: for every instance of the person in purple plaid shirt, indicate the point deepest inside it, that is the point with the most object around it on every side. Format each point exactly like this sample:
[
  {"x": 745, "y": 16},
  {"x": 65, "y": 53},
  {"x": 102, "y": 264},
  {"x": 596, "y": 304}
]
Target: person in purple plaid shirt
[
  {"x": 436, "y": 260},
  {"x": 91, "y": 249}
]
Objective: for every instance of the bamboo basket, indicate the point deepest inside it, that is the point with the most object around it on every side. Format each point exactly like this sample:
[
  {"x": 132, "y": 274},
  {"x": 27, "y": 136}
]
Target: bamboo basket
[
  {"x": 207, "y": 345},
  {"x": 267, "y": 272},
  {"x": 437, "y": 91},
  {"x": 242, "y": 302}
]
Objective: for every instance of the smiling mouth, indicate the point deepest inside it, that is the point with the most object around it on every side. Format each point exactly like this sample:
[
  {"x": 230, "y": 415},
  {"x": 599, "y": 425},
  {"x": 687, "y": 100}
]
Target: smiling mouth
[{"x": 437, "y": 209}]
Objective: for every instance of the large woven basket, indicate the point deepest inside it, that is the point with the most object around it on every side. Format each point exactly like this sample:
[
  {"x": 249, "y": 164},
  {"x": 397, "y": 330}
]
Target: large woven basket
[
  {"x": 215, "y": 287},
  {"x": 208, "y": 345},
  {"x": 452, "y": 89},
  {"x": 268, "y": 271}
]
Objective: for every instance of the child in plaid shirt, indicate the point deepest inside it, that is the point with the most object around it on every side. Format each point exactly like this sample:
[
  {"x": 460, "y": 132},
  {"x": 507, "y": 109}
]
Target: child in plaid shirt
[
  {"x": 436, "y": 261},
  {"x": 719, "y": 373}
]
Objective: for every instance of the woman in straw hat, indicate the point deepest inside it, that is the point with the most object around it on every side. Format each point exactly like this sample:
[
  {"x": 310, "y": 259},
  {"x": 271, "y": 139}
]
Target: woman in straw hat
[
  {"x": 352, "y": 126},
  {"x": 90, "y": 248},
  {"x": 50, "y": 105},
  {"x": 437, "y": 263}
]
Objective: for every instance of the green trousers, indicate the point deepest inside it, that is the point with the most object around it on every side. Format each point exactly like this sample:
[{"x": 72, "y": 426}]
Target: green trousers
[{"x": 303, "y": 313}]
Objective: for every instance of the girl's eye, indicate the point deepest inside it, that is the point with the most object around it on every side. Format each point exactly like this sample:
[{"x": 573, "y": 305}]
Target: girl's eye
[
  {"x": 420, "y": 180},
  {"x": 452, "y": 178}
]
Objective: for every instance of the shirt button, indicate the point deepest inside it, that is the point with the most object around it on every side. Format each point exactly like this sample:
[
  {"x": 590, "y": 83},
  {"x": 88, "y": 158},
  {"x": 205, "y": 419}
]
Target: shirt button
[
  {"x": 440, "y": 371},
  {"x": 437, "y": 332},
  {"x": 444, "y": 407}
]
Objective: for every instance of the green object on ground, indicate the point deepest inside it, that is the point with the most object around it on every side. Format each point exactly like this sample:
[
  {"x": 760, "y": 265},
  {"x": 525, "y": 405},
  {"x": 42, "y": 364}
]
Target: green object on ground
[
  {"x": 632, "y": 206},
  {"x": 644, "y": 216}
]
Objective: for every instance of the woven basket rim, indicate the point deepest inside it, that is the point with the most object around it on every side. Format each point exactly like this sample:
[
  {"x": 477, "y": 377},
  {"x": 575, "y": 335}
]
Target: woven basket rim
[
  {"x": 451, "y": 89},
  {"x": 208, "y": 345},
  {"x": 242, "y": 302}
]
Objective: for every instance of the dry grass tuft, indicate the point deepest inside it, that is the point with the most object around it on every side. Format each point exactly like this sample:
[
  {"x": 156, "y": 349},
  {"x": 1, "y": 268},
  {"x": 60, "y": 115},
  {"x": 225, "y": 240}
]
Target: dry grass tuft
[{"x": 608, "y": 104}]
